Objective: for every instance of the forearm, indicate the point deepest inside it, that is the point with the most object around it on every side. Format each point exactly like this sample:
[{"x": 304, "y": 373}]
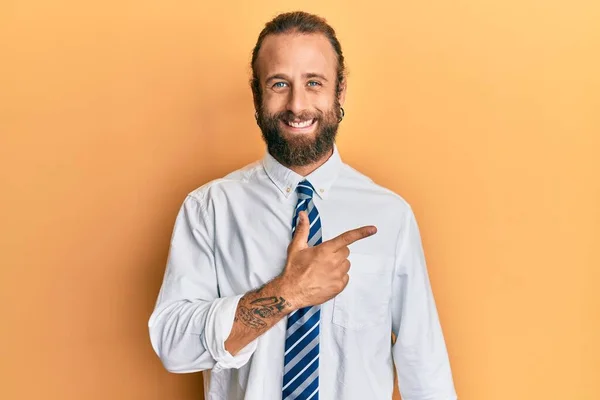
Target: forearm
[{"x": 257, "y": 312}]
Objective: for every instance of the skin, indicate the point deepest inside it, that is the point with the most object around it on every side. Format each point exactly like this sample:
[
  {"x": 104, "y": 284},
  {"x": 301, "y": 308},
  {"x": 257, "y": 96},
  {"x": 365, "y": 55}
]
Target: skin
[{"x": 297, "y": 76}]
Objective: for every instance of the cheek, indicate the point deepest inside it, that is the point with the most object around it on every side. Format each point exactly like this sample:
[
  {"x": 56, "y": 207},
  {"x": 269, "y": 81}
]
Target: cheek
[
  {"x": 273, "y": 103},
  {"x": 324, "y": 101}
]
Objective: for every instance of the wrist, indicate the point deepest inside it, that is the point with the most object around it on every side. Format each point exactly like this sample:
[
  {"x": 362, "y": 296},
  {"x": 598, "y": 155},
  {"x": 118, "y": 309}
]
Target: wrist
[{"x": 289, "y": 291}]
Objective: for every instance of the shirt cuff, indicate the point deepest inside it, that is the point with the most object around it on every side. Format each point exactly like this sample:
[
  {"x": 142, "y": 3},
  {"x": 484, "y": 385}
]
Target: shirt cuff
[{"x": 219, "y": 322}]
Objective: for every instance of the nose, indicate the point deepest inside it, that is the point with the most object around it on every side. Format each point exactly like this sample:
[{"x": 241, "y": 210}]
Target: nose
[{"x": 297, "y": 101}]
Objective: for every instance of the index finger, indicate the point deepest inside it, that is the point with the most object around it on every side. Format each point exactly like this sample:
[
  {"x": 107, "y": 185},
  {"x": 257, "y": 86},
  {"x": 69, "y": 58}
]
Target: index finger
[{"x": 351, "y": 236}]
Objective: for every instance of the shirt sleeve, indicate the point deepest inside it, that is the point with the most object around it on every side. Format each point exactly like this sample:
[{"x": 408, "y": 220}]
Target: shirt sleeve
[
  {"x": 419, "y": 352},
  {"x": 190, "y": 321}
]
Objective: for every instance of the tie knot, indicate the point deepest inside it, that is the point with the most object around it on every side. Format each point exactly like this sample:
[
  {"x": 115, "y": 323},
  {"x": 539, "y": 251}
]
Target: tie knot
[{"x": 305, "y": 190}]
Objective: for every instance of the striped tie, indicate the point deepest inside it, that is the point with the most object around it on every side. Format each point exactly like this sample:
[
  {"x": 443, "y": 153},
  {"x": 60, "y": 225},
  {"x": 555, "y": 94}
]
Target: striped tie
[{"x": 301, "y": 359}]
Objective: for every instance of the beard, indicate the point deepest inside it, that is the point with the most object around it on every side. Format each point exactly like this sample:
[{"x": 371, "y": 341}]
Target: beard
[{"x": 299, "y": 150}]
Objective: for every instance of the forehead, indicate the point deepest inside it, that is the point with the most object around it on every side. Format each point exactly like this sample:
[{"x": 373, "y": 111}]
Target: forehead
[{"x": 295, "y": 54}]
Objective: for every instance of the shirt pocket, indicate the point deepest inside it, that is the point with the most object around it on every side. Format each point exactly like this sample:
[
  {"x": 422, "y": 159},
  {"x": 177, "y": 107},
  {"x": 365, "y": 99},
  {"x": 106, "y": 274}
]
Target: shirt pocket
[{"x": 365, "y": 301}]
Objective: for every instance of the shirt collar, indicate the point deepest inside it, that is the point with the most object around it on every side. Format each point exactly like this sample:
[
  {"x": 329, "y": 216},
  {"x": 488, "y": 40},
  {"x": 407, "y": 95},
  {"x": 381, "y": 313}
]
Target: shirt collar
[{"x": 286, "y": 180}]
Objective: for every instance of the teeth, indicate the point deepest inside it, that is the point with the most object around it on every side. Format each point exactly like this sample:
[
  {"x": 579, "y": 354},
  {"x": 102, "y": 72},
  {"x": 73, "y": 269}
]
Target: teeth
[{"x": 302, "y": 124}]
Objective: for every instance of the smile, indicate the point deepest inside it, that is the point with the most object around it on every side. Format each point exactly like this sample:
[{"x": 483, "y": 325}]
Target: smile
[{"x": 301, "y": 124}]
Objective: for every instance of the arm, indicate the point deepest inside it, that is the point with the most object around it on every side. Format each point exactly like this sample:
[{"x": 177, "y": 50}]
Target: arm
[
  {"x": 419, "y": 352},
  {"x": 191, "y": 321},
  {"x": 256, "y": 313},
  {"x": 193, "y": 329},
  {"x": 311, "y": 276}
]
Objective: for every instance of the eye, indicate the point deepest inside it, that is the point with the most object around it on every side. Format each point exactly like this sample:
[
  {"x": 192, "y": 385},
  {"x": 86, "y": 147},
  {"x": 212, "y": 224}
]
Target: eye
[
  {"x": 279, "y": 85},
  {"x": 314, "y": 83}
]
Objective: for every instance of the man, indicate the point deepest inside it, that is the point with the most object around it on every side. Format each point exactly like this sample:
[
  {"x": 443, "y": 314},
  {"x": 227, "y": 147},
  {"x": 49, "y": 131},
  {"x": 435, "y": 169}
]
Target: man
[{"x": 286, "y": 278}]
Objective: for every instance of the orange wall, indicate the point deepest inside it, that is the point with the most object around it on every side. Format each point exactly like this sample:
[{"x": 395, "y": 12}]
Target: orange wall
[{"x": 484, "y": 115}]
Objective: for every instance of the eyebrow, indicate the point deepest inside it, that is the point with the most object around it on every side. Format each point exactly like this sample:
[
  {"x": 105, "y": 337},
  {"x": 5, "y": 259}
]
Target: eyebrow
[{"x": 309, "y": 75}]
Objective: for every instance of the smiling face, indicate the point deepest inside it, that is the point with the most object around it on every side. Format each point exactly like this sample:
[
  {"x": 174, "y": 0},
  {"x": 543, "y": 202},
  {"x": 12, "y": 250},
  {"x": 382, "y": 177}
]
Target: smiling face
[{"x": 298, "y": 108}]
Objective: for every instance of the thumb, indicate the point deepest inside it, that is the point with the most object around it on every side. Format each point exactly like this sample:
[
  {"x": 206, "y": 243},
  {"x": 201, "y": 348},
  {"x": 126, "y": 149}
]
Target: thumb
[{"x": 300, "y": 239}]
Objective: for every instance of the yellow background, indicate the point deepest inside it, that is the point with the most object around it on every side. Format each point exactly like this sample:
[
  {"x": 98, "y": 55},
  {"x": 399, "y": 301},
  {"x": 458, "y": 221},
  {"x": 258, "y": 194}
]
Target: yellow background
[{"x": 484, "y": 115}]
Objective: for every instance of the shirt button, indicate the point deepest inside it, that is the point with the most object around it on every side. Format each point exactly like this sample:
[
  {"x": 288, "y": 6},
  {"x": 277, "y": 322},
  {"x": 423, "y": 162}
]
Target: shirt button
[
  {"x": 321, "y": 190},
  {"x": 288, "y": 189}
]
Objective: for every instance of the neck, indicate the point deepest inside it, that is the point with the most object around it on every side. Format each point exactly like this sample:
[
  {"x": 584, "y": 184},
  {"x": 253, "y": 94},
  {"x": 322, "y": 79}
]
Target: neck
[{"x": 305, "y": 170}]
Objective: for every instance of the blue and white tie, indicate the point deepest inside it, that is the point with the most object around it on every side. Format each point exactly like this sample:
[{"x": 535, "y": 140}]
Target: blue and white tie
[{"x": 301, "y": 359}]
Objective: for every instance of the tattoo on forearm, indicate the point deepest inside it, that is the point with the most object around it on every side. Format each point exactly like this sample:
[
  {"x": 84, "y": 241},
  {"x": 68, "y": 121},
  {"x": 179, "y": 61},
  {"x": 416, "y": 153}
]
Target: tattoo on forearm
[
  {"x": 250, "y": 320},
  {"x": 263, "y": 307},
  {"x": 266, "y": 306}
]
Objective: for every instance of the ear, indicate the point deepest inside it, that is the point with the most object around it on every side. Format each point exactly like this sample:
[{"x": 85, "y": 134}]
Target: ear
[{"x": 342, "y": 92}]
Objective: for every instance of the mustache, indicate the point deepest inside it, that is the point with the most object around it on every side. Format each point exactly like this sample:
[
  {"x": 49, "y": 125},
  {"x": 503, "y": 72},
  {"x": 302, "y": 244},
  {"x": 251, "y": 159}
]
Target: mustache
[{"x": 287, "y": 116}]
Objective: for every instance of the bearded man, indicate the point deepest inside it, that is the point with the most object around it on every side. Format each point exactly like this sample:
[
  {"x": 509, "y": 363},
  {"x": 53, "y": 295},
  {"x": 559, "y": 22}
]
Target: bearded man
[{"x": 287, "y": 278}]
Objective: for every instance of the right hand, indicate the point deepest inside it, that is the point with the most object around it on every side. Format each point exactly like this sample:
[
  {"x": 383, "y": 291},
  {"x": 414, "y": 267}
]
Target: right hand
[{"x": 313, "y": 275}]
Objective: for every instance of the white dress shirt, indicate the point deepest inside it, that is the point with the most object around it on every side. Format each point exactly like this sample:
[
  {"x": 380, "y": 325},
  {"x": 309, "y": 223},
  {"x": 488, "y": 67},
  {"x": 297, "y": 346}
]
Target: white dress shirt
[{"x": 231, "y": 236}]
